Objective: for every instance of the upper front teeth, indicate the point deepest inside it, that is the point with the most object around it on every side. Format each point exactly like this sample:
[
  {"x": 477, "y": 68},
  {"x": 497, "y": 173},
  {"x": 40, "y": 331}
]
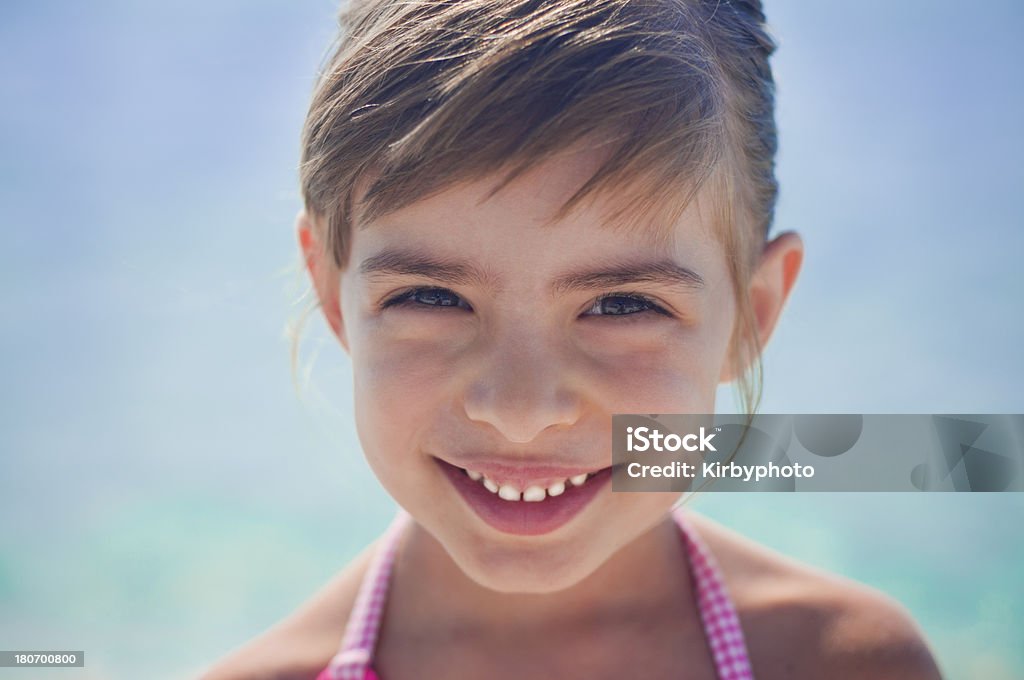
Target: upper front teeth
[
  {"x": 532, "y": 494},
  {"x": 508, "y": 492}
]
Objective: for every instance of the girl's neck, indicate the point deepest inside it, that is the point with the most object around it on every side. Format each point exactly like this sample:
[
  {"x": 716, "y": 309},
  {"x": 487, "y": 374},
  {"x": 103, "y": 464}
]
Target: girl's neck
[{"x": 648, "y": 577}]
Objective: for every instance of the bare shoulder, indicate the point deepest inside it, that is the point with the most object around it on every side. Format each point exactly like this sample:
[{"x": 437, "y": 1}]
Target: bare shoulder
[
  {"x": 801, "y": 622},
  {"x": 302, "y": 644}
]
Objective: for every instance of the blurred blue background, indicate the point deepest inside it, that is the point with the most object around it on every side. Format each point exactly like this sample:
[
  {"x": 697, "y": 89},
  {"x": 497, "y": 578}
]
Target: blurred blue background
[{"x": 166, "y": 494}]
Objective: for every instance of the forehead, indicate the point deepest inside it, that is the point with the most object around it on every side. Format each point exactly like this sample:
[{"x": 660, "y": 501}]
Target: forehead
[{"x": 536, "y": 199}]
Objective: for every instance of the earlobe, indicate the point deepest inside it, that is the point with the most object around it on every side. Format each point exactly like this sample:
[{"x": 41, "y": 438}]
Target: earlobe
[
  {"x": 770, "y": 286},
  {"x": 323, "y": 273}
]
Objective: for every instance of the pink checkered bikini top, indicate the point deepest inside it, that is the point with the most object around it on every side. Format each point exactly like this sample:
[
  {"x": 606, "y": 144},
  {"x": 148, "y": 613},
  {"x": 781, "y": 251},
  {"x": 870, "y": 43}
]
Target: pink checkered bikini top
[{"x": 721, "y": 623}]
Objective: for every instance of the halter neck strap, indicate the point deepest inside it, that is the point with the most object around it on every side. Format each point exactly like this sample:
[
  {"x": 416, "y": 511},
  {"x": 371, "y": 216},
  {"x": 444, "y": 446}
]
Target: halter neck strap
[{"x": 717, "y": 612}]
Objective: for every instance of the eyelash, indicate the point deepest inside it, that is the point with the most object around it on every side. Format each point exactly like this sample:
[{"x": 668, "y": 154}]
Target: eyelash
[{"x": 408, "y": 298}]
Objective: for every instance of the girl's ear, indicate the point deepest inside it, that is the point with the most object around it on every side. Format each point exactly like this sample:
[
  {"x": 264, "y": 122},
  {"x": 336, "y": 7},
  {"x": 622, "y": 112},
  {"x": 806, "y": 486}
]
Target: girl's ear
[
  {"x": 771, "y": 285},
  {"x": 323, "y": 272}
]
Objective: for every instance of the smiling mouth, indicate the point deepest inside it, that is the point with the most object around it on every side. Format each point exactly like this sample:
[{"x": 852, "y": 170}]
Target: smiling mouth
[
  {"x": 533, "y": 493},
  {"x": 538, "y": 502}
]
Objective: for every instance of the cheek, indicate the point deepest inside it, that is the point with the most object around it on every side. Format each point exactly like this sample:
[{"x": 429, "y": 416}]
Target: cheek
[
  {"x": 677, "y": 373},
  {"x": 400, "y": 388}
]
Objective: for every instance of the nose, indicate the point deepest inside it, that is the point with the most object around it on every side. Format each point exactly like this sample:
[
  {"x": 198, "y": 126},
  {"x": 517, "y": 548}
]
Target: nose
[{"x": 521, "y": 388}]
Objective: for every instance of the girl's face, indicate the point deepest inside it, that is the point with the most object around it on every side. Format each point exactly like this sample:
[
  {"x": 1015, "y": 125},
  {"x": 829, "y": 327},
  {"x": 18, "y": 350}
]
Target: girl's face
[{"x": 483, "y": 341}]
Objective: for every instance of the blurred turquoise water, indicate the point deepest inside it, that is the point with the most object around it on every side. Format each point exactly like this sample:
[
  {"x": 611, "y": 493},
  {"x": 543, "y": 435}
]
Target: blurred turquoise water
[
  {"x": 163, "y": 585},
  {"x": 164, "y": 492}
]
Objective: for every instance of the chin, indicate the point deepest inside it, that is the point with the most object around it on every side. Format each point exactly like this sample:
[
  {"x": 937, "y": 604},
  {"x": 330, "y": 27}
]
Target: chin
[{"x": 526, "y": 570}]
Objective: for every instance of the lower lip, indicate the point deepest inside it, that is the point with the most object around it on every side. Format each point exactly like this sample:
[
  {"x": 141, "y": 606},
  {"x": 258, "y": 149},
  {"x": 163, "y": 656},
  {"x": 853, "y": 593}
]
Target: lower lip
[{"x": 521, "y": 517}]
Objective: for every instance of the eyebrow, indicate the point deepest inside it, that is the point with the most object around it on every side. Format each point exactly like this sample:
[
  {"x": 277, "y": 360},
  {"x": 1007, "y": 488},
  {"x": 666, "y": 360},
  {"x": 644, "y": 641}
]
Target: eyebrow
[
  {"x": 616, "y": 274},
  {"x": 404, "y": 263},
  {"x": 661, "y": 272}
]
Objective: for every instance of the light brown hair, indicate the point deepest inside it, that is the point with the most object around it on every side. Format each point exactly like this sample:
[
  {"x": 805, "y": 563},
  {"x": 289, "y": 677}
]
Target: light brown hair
[{"x": 423, "y": 94}]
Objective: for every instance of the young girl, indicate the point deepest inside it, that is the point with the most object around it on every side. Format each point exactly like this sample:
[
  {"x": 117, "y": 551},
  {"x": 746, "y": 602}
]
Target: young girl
[{"x": 522, "y": 217}]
